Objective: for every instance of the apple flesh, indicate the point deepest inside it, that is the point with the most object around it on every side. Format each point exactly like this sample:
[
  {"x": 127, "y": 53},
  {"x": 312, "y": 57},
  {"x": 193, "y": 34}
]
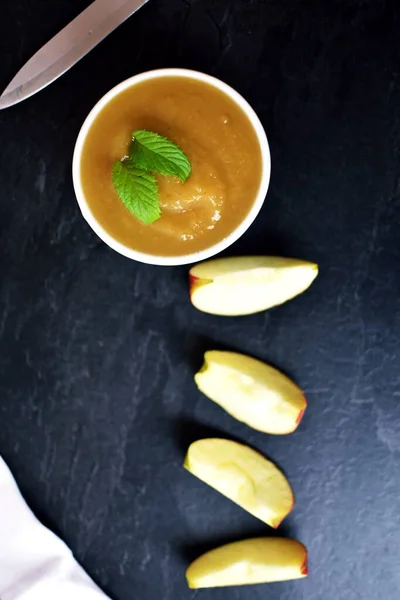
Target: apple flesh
[
  {"x": 252, "y": 391},
  {"x": 244, "y": 476},
  {"x": 260, "y": 560},
  {"x": 248, "y": 284}
]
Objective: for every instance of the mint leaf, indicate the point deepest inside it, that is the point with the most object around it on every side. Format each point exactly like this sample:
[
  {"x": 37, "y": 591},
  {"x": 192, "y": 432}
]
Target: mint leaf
[
  {"x": 152, "y": 152},
  {"x": 137, "y": 190}
]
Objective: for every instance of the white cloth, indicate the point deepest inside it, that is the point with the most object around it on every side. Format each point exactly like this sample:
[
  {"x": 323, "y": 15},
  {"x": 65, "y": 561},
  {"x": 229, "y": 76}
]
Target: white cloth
[{"x": 34, "y": 563}]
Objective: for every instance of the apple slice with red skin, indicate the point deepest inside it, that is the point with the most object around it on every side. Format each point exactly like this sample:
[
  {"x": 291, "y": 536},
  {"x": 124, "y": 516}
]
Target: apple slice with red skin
[
  {"x": 244, "y": 476},
  {"x": 249, "y": 284},
  {"x": 259, "y": 560},
  {"x": 252, "y": 391}
]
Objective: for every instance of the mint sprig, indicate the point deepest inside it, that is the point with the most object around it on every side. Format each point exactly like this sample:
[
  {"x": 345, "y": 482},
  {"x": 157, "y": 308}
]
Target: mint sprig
[
  {"x": 137, "y": 190},
  {"x": 155, "y": 153},
  {"x": 134, "y": 179}
]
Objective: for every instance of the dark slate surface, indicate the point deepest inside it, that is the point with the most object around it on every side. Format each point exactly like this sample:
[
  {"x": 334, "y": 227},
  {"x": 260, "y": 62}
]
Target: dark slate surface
[{"x": 97, "y": 353}]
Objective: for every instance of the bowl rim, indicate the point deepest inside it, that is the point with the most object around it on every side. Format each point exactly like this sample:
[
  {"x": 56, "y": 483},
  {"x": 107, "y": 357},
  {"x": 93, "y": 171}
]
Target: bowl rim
[{"x": 183, "y": 259}]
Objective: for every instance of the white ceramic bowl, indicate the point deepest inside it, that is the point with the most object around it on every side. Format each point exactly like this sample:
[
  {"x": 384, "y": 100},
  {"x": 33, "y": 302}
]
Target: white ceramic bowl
[{"x": 186, "y": 258}]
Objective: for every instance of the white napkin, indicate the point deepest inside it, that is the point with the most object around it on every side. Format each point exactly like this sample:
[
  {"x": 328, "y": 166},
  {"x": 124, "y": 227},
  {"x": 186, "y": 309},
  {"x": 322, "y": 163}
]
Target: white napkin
[{"x": 34, "y": 563}]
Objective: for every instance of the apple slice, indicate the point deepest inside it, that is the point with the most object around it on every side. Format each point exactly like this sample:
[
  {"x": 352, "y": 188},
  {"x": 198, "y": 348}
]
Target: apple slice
[
  {"x": 244, "y": 476},
  {"x": 252, "y": 391},
  {"x": 248, "y": 284},
  {"x": 260, "y": 560}
]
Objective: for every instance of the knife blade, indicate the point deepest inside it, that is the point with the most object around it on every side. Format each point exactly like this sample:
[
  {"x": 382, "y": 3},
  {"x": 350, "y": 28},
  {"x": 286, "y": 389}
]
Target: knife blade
[{"x": 70, "y": 45}]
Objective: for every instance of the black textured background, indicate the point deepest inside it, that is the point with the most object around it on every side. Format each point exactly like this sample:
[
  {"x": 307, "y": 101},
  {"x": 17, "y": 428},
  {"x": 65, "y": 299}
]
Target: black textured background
[{"x": 97, "y": 353}]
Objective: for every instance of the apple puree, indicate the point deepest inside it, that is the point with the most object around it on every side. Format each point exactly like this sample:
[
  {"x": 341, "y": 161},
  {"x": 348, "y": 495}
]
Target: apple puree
[{"x": 217, "y": 137}]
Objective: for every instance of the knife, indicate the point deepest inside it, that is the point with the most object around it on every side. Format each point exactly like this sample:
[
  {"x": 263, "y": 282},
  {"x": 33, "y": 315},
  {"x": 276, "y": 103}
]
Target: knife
[{"x": 72, "y": 43}]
